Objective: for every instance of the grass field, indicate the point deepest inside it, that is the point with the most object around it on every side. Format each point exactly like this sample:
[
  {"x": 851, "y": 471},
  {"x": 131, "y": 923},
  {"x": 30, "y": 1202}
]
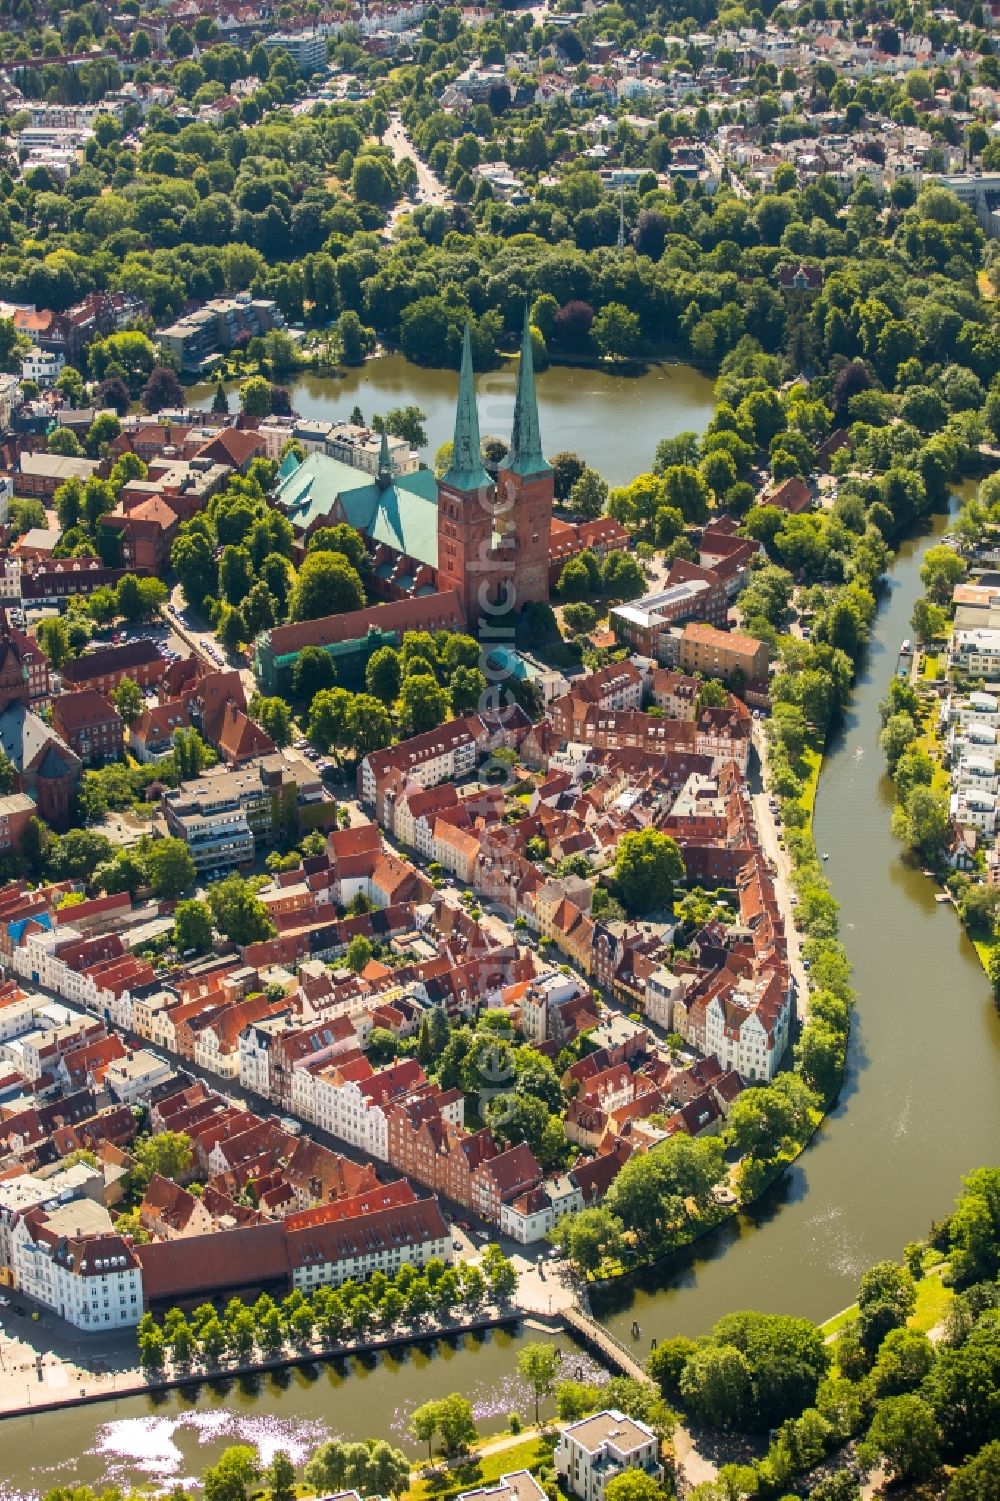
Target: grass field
[
  {"x": 483, "y": 1470},
  {"x": 986, "y": 948},
  {"x": 812, "y": 760},
  {"x": 933, "y": 1302}
]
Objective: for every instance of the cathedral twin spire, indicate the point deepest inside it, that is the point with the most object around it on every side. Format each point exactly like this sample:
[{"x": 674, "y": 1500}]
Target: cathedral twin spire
[{"x": 466, "y": 470}]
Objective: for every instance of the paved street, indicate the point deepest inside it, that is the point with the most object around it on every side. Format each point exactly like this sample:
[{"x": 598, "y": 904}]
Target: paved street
[
  {"x": 783, "y": 879},
  {"x": 200, "y": 638},
  {"x": 432, "y": 189}
]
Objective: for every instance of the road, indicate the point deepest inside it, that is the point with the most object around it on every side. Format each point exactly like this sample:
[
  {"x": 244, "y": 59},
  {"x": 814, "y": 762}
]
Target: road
[
  {"x": 202, "y": 640},
  {"x": 716, "y": 164},
  {"x": 783, "y": 880},
  {"x": 432, "y": 189}
]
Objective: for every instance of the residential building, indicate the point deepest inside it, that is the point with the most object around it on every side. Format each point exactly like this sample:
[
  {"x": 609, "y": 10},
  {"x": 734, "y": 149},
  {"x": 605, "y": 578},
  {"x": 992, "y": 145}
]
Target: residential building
[
  {"x": 307, "y": 49},
  {"x": 92, "y": 1280},
  {"x": 592, "y": 1451},
  {"x": 90, "y": 725},
  {"x": 41, "y": 474},
  {"x": 644, "y": 624},
  {"x": 352, "y": 638},
  {"x": 723, "y": 654},
  {"x": 104, "y": 668},
  {"x": 225, "y": 813}
]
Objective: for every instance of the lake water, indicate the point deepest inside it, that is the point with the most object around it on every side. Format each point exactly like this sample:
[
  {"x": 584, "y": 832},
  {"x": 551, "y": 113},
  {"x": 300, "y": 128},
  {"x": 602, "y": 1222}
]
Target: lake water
[{"x": 612, "y": 421}]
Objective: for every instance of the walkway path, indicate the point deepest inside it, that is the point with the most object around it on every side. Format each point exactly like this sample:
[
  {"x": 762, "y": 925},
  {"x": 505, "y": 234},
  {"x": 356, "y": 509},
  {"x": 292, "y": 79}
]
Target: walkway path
[{"x": 768, "y": 832}]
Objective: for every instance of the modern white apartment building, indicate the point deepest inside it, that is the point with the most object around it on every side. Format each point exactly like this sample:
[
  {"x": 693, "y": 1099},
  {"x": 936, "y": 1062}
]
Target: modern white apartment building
[{"x": 591, "y": 1452}]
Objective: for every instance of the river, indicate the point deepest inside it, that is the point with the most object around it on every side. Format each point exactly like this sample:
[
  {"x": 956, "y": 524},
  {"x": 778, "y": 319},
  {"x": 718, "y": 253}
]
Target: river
[
  {"x": 612, "y": 421},
  {"x": 919, "y": 1107},
  {"x": 920, "y": 1104},
  {"x": 169, "y": 1441}
]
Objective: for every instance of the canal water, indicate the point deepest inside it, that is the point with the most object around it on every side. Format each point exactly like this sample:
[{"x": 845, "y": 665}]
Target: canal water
[
  {"x": 170, "y": 1441},
  {"x": 920, "y": 1104},
  {"x": 614, "y": 422}
]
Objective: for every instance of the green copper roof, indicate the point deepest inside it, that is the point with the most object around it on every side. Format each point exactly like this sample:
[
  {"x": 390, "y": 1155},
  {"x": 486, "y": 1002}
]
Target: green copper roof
[
  {"x": 466, "y": 471},
  {"x": 402, "y": 513},
  {"x": 526, "y": 455}
]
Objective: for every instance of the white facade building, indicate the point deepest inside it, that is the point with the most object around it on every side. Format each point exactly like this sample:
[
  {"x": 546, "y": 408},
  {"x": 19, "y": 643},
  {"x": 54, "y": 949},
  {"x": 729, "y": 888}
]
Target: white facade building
[
  {"x": 92, "y": 1281},
  {"x": 41, "y": 366},
  {"x": 591, "y": 1452}
]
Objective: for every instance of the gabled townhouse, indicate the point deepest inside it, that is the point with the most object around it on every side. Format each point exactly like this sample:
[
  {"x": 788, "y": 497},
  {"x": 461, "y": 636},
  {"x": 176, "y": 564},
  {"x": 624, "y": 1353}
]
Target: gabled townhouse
[{"x": 444, "y": 754}]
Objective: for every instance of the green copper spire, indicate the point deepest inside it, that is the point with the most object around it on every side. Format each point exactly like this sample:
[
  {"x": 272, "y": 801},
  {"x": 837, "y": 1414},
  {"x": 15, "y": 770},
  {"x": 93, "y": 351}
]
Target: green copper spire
[
  {"x": 466, "y": 472},
  {"x": 385, "y": 465},
  {"x": 526, "y": 455}
]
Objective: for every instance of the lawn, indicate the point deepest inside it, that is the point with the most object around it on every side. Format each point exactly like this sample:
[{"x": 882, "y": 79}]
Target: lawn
[
  {"x": 811, "y": 761},
  {"x": 931, "y": 664},
  {"x": 833, "y": 1326},
  {"x": 986, "y": 948},
  {"x": 534, "y": 1450},
  {"x": 933, "y": 1302}
]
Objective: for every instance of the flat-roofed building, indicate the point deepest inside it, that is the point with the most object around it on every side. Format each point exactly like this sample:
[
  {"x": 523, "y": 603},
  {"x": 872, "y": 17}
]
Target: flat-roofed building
[
  {"x": 596, "y": 1449},
  {"x": 644, "y": 624}
]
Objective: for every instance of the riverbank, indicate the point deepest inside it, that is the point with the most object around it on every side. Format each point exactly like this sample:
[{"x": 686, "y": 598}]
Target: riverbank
[
  {"x": 110, "y": 1376},
  {"x": 783, "y": 865}
]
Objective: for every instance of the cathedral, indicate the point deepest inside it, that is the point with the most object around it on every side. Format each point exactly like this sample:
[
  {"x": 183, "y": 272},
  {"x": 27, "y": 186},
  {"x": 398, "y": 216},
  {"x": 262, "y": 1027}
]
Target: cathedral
[
  {"x": 488, "y": 540},
  {"x": 493, "y": 536}
]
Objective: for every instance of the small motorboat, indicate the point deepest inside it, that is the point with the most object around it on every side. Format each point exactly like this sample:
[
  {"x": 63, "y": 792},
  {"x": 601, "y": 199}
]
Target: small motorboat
[{"x": 826, "y": 855}]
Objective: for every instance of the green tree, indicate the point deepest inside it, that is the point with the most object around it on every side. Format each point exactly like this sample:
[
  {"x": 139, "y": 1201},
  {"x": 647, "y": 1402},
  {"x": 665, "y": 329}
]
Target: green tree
[
  {"x": 383, "y": 674},
  {"x": 922, "y": 821},
  {"x": 407, "y": 423},
  {"x": 359, "y": 953},
  {"x": 236, "y": 1471},
  {"x": 716, "y": 1384},
  {"x": 168, "y": 1153},
  {"x": 128, "y": 700},
  {"x": 455, "y": 1424},
  {"x": 313, "y": 671},
  {"x": 326, "y": 585},
  {"x": 238, "y": 911},
  {"x": 979, "y": 1479},
  {"x": 280, "y": 1478},
  {"x": 423, "y": 704},
  {"x": 647, "y": 864},
  {"x": 193, "y": 927},
  {"x": 667, "y": 1361},
  {"x": 617, "y": 332},
  {"x": 538, "y": 1365},
  {"x": 940, "y": 571},
  {"x": 633, "y": 1485},
  {"x": 898, "y": 734},
  {"x": 424, "y": 1424},
  {"x": 53, "y": 638},
  {"x": 192, "y": 558},
  {"x": 169, "y": 867},
  {"x": 369, "y": 726},
  {"x": 886, "y": 1298},
  {"x": 275, "y": 717},
  {"x": 905, "y": 1435},
  {"x": 255, "y": 397}
]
